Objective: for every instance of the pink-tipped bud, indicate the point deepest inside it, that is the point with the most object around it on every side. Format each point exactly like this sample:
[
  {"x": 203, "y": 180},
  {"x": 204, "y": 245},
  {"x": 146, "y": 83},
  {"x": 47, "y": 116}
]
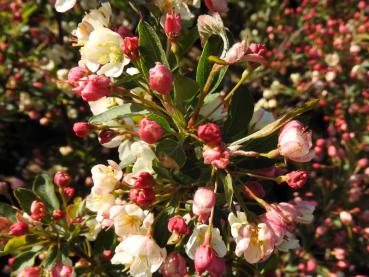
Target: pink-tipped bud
[
  {"x": 18, "y": 229},
  {"x": 174, "y": 266},
  {"x": 107, "y": 255},
  {"x": 173, "y": 26},
  {"x": 76, "y": 74},
  {"x": 217, "y": 6},
  {"x": 297, "y": 179},
  {"x": 364, "y": 162},
  {"x": 106, "y": 136},
  {"x": 204, "y": 256},
  {"x": 69, "y": 192},
  {"x": 150, "y": 131},
  {"x": 62, "y": 179},
  {"x": 161, "y": 79},
  {"x": 203, "y": 202},
  {"x": 38, "y": 210},
  {"x": 58, "y": 214},
  {"x": 82, "y": 129},
  {"x": 30, "y": 272},
  {"x": 295, "y": 142},
  {"x": 144, "y": 181},
  {"x": 96, "y": 87},
  {"x": 142, "y": 197},
  {"x": 178, "y": 225},
  {"x": 255, "y": 54},
  {"x": 62, "y": 270},
  {"x": 129, "y": 47},
  {"x": 216, "y": 156},
  {"x": 346, "y": 218},
  {"x": 210, "y": 133}
]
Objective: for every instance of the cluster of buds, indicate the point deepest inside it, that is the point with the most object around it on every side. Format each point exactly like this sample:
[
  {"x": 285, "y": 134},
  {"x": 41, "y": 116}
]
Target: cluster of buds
[
  {"x": 142, "y": 192},
  {"x": 63, "y": 181}
]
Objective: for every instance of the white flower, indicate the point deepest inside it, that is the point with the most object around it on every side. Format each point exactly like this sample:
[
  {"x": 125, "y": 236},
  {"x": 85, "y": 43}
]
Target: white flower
[
  {"x": 138, "y": 153},
  {"x": 178, "y": 6},
  {"x": 209, "y": 25},
  {"x": 94, "y": 228},
  {"x": 332, "y": 59},
  {"x": 130, "y": 219},
  {"x": 197, "y": 238},
  {"x": 105, "y": 178},
  {"x": 236, "y": 221},
  {"x": 289, "y": 242},
  {"x": 141, "y": 254},
  {"x": 64, "y": 5},
  {"x": 99, "y": 203},
  {"x": 104, "y": 104},
  {"x": 103, "y": 48}
]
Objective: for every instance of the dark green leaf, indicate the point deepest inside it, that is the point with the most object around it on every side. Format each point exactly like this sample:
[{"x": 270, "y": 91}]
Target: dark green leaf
[
  {"x": 19, "y": 244},
  {"x": 274, "y": 126},
  {"x": 161, "y": 233},
  {"x": 151, "y": 49},
  {"x": 7, "y": 211},
  {"x": 213, "y": 47},
  {"x": 124, "y": 110},
  {"x": 104, "y": 241},
  {"x": 228, "y": 189},
  {"x": 24, "y": 260},
  {"x": 172, "y": 149},
  {"x": 162, "y": 122},
  {"x": 187, "y": 40},
  {"x": 45, "y": 190},
  {"x": 25, "y": 198},
  {"x": 51, "y": 258},
  {"x": 239, "y": 115},
  {"x": 184, "y": 90}
]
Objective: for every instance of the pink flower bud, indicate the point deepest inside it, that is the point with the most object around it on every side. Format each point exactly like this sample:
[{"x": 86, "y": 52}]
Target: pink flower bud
[
  {"x": 38, "y": 210},
  {"x": 30, "y": 272},
  {"x": 18, "y": 229},
  {"x": 97, "y": 86},
  {"x": 161, "y": 79},
  {"x": 107, "y": 255},
  {"x": 178, "y": 225},
  {"x": 62, "y": 270},
  {"x": 11, "y": 261},
  {"x": 346, "y": 218},
  {"x": 217, "y": 267},
  {"x": 106, "y": 136},
  {"x": 256, "y": 53},
  {"x": 204, "y": 257},
  {"x": 123, "y": 31},
  {"x": 69, "y": 191},
  {"x": 76, "y": 74},
  {"x": 210, "y": 133},
  {"x": 62, "y": 179},
  {"x": 58, "y": 214},
  {"x": 150, "y": 131},
  {"x": 295, "y": 142},
  {"x": 297, "y": 179},
  {"x": 311, "y": 265},
  {"x": 144, "y": 181},
  {"x": 130, "y": 47},
  {"x": 174, "y": 266},
  {"x": 363, "y": 162},
  {"x": 142, "y": 197},
  {"x": 217, "y": 6},
  {"x": 82, "y": 129},
  {"x": 203, "y": 202},
  {"x": 339, "y": 253},
  {"x": 173, "y": 26},
  {"x": 217, "y": 156}
]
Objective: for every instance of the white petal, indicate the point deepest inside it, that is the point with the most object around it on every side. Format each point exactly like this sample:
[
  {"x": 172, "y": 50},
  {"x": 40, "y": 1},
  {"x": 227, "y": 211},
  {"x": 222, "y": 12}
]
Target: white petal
[{"x": 64, "y": 5}]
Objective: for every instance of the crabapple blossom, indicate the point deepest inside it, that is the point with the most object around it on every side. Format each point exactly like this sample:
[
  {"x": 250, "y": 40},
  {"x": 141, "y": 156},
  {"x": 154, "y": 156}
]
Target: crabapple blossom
[
  {"x": 18, "y": 229},
  {"x": 150, "y": 131},
  {"x": 161, "y": 79},
  {"x": 105, "y": 178},
  {"x": 203, "y": 203},
  {"x": 174, "y": 266}
]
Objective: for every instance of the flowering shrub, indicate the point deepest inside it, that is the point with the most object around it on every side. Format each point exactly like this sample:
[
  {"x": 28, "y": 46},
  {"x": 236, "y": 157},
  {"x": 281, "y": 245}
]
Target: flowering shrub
[{"x": 189, "y": 194}]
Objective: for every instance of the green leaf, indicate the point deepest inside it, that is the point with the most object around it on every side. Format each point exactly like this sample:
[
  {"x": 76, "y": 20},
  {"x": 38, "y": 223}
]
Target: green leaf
[
  {"x": 51, "y": 258},
  {"x": 19, "y": 244},
  {"x": 104, "y": 241},
  {"x": 162, "y": 122},
  {"x": 213, "y": 47},
  {"x": 45, "y": 190},
  {"x": 24, "y": 260},
  {"x": 184, "y": 90},
  {"x": 25, "y": 197},
  {"x": 124, "y": 110},
  {"x": 151, "y": 49},
  {"x": 7, "y": 211},
  {"x": 274, "y": 126},
  {"x": 172, "y": 149},
  {"x": 239, "y": 115},
  {"x": 187, "y": 40},
  {"x": 228, "y": 189}
]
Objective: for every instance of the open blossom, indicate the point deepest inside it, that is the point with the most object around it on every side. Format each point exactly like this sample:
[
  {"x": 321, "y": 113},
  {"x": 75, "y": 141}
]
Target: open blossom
[
  {"x": 254, "y": 241},
  {"x": 141, "y": 254},
  {"x": 99, "y": 202},
  {"x": 260, "y": 119},
  {"x": 130, "y": 219},
  {"x": 105, "y": 178},
  {"x": 94, "y": 227},
  {"x": 241, "y": 52},
  {"x": 178, "y": 6},
  {"x": 197, "y": 238},
  {"x": 295, "y": 142},
  {"x": 64, "y": 5}
]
